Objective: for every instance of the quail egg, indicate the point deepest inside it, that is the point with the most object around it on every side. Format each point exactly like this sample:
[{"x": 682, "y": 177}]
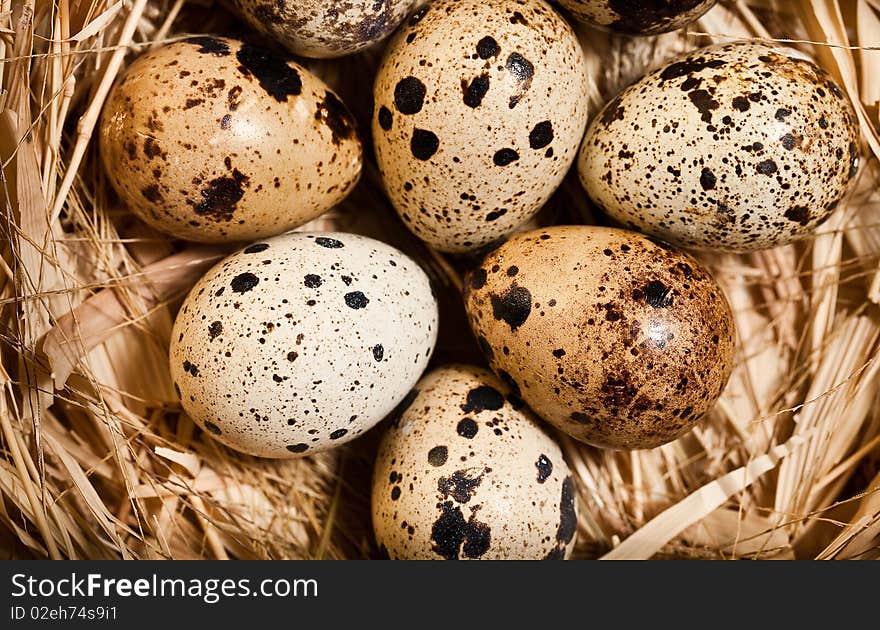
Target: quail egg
[
  {"x": 212, "y": 139},
  {"x": 466, "y": 473},
  {"x": 480, "y": 106},
  {"x": 738, "y": 147},
  {"x": 638, "y": 17},
  {"x": 302, "y": 342},
  {"x": 325, "y": 28},
  {"x": 612, "y": 337}
]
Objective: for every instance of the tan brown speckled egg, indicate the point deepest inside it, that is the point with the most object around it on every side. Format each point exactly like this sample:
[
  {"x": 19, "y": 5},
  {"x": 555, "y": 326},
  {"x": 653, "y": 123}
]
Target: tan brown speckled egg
[
  {"x": 612, "y": 337},
  {"x": 325, "y": 28},
  {"x": 737, "y": 147},
  {"x": 638, "y": 17},
  {"x": 302, "y": 342},
  {"x": 213, "y": 140},
  {"x": 466, "y": 472},
  {"x": 480, "y": 106}
]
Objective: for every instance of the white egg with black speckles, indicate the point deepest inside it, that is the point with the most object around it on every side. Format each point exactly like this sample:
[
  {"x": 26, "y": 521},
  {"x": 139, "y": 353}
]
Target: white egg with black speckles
[
  {"x": 466, "y": 472},
  {"x": 736, "y": 147},
  {"x": 302, "y": 342},
  {"x": 638, "y": 17},
  {"x": 480, "y": 108},
  {"x": 325, "y": 28}
]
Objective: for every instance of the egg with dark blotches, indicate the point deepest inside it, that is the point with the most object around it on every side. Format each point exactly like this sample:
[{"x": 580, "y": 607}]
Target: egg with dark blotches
[
  {"x": 302, "y": 342},
  {"x": 212, "y": 139},
  {"x": 325, "y": 28},
  {"x": 480, "y": 107},
  {"x": 466, "y": 472},
  {"x": 738, "y": 147},
  {"x": 638, "y": 17},
  {"x": 614, "y": 338}
]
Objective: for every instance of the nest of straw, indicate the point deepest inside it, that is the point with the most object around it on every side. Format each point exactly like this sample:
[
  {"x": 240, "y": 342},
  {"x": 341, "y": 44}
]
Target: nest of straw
[{"x": 97, "y": 461}]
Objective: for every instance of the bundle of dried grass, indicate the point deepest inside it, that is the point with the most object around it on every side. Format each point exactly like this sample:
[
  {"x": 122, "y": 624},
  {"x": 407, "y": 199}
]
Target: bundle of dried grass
[{"x": 97, "y": 461}]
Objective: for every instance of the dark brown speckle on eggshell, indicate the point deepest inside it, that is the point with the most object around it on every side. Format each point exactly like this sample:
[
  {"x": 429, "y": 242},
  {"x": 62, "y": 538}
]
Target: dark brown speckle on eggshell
[
  {"x": 736, "y": 147},
  {"x": 613, "y": 338},
  {"x": 273, "y": 357},
  {"x": 480, "y": 108},
  {"x": 211, "y": 139},
  {"x": 464, "y": 474}
]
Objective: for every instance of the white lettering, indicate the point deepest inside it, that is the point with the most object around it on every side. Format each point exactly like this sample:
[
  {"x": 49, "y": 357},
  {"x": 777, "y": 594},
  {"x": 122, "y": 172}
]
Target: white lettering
[
  {"x": 142, "y": 587},
  {"x": 173, "y": 585},
  {"x": 123, "y": 587},
  {"x": 228, "y": 588},
  {"x": 76, "y": 586},
  {"x": 94, "y": 581},
  {"x": 16, "y": 581},
  {"x": 305, "y": 584}
]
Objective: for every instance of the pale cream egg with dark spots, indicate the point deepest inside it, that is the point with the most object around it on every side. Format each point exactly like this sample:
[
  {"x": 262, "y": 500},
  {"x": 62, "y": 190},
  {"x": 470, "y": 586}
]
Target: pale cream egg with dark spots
[
  {"x": 614, "y": 338},
  {"x": 738, "y": 147},
  {"x": 213, "y": 139},
  {"x": 466, "y": 472},
  {"x": 480, "y": 107},
  {"x": 325, "y": 28},
  {"x": 302, "y": 342},
  {"x": 638, "y": 17}
]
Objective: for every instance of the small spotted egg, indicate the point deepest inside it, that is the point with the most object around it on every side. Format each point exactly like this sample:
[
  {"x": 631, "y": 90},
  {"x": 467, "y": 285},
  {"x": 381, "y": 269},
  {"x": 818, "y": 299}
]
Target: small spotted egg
[
  {"x": 610, "y": 336},
  {"x": 466, "y": 473},
  {"x": 480, "y": 108},
  {"x": 213, "y": 140},
  {"x": 325, "y": 28},
  {"x": 302, "y": 342},
  {"x": 638, "y": 17},
  {"x": 737, "y": 147}
]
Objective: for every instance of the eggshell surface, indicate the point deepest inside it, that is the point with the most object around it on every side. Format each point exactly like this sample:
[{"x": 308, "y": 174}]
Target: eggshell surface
[
  {"x": 325, "y": 28},
  {"x": 737, "y": 147},
  {"x": 615, "y": 339},
  {"x": 211, "y": 139},
  {"x": 638, "y": 17},
  {"x": 302, "y": 342},
  {"x": 466, "y": 473},
  {"x": 479, "y": 110}
]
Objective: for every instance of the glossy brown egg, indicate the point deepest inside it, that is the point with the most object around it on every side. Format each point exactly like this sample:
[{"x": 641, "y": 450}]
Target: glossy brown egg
[
  {"x": 612, "y": 337},
  {"x": 212, "y": 140},
  {"x": 638, "y": 17},
  {"x": 466, "y": 472}
]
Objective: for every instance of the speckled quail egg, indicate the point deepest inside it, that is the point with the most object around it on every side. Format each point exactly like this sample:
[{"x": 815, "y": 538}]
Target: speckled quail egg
[
  {"x": 479, "y": 109},
  {"x": 612, "y": 337},
  {"x": 325, "y": 28},
  {"x": 737, "y": 147},
  {"x": 638, "y": 17},
  {"x": 212, "y": 140},
  {"x": 302, "y": 342},
  {"x": 466, "y": 472}
]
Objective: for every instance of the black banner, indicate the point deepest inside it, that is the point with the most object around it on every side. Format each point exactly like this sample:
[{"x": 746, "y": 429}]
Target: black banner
[{"x": 416, "y": 594}]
